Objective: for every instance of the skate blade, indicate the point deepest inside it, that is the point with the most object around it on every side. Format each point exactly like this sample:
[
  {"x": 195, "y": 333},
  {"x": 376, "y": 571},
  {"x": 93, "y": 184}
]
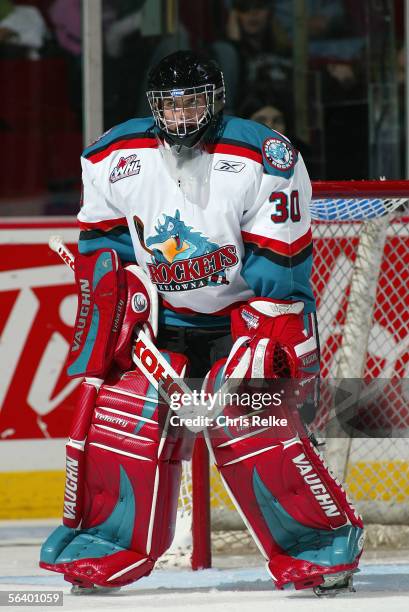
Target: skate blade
[
  {"x": 335, "y": 584},
  {"x": 93, "y": 590}
]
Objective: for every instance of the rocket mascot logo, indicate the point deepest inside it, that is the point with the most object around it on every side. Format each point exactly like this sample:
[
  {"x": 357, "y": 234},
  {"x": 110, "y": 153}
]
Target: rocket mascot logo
[{"x": 183, "y": 259}]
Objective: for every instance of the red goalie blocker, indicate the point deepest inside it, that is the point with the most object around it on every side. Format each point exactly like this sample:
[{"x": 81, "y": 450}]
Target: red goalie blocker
[
  {"x": 112, "y": 300},
  {"x": 297, "y": 512},
  {"x": 120, "y": 502}
]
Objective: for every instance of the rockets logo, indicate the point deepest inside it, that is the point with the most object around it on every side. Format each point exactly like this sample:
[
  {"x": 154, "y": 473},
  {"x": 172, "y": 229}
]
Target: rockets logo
[
  {"x": 183, "y": 259},
  {"x": 127, "y": 166}
]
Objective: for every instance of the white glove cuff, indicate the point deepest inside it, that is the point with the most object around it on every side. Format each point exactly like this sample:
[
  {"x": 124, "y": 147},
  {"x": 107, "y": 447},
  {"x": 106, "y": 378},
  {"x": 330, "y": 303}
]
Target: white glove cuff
[{"x": 276, "y": 309}]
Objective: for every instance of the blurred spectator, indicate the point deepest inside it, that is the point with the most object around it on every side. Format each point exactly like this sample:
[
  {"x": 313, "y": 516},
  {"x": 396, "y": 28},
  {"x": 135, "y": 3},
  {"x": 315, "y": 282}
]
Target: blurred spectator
[
  {"x": 266, "y": 107},
  {"x": 252, "y": 23},
  {"x": 345, "y": 106},
  {"x": 22, "y": 30},
  {"x": 126, "y": 57},
  {"x": 65, "y": 15},
  {"x": 335, "y": 27},
  {"x": 127, "y": 23},
  {"x": 203, "y": 20},
  {"x": 271, "y": 116},
  {"x": 121, "y": 22},
  {"x": 259, "y": 51}
]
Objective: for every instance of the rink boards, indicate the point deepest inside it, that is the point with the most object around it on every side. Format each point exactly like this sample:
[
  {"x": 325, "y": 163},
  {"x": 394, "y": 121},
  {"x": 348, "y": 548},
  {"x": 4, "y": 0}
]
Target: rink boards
[{"x": 38, "y": 301}]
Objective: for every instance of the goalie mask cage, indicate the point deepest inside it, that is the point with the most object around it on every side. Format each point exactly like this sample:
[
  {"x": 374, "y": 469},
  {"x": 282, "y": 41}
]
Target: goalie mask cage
[{"x": 361, "y": 283}]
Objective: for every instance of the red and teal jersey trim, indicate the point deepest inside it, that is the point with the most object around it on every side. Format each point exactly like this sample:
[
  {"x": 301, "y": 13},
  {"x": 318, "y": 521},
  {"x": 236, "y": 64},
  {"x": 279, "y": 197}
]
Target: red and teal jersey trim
[
  {"x": 278, "y": 270},
  {"x": 133, "y": 134},
  {"x": 255, "y": 141},
  {"x": 108, "y": 234},
  {"x": 228, "y": 146},
  {"x": 277, "y": 251}
]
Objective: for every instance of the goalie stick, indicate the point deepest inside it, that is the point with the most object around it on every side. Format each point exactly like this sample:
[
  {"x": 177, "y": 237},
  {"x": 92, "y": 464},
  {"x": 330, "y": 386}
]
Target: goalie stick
[{"x": 159, "y": 372}]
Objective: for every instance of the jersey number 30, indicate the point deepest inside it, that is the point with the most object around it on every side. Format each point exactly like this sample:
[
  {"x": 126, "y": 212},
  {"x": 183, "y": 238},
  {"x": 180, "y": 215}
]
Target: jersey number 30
[{"x": 283, "y": 211}]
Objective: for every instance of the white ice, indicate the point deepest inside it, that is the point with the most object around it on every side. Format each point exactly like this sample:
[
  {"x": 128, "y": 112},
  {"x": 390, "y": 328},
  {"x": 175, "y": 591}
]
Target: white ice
[{"x": 382, "y": 585}]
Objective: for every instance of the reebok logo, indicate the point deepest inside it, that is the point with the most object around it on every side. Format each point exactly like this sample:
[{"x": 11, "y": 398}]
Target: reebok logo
[{"x": 229, "y": 166}]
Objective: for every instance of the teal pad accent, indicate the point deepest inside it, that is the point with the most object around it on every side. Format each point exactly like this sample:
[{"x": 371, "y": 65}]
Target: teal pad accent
[
  {"x": 112, "y": 536},
  {"x": 306, "y": 320},
  {"x": 321, "y": 546},
  {"x": 79, "y": 366},
  {"x": 56, "y": 542},
  {"x": 150, "y": 407},
  {"x": 103, "y": 266}
]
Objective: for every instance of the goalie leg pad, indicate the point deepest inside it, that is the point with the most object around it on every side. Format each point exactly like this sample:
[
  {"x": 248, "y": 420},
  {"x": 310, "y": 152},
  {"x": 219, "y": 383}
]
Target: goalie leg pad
[
  {"x": 75, "y": 453},
  {"x": 131, "y": 485},
  {"x": 296, "y": 511}
]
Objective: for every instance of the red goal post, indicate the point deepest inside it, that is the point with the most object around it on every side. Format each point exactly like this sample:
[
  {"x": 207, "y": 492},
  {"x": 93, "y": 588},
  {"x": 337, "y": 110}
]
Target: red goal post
[{"x": 361, "y": 247}]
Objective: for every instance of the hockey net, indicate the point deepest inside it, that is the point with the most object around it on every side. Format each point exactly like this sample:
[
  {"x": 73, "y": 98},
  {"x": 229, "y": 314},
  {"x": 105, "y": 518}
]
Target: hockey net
[{"x": 361, "y": 283}]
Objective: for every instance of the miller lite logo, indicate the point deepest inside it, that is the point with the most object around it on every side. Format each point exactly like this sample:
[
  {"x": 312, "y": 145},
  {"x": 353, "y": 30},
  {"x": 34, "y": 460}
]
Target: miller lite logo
[{"x": 127, "y": 166}]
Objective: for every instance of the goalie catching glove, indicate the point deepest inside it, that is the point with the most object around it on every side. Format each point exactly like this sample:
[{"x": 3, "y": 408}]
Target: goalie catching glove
[{"x": 283, "y": 344}]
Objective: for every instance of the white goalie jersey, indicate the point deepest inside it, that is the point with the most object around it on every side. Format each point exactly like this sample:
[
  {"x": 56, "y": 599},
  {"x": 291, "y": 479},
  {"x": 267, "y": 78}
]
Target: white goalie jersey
[{"x": 212, "y": 229}]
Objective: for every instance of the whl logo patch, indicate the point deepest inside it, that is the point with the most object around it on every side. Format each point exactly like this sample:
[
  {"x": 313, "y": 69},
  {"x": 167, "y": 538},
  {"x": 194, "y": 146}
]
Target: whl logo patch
[
  {"x": 229, "y": 166},
  {"x": 127, "y": 166}
]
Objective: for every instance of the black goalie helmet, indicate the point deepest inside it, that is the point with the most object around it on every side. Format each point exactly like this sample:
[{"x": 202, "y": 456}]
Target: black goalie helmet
[{"x": 185, "y": 94}]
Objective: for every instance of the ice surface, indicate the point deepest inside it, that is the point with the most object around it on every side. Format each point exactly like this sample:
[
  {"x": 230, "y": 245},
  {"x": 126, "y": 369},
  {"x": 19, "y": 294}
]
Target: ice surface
[{"x": 381, "y": 586}]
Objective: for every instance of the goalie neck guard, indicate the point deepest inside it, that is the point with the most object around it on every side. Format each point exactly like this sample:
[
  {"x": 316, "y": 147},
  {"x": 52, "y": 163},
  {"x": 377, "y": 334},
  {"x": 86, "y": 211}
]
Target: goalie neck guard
[{"x": 186, "y": 95}]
